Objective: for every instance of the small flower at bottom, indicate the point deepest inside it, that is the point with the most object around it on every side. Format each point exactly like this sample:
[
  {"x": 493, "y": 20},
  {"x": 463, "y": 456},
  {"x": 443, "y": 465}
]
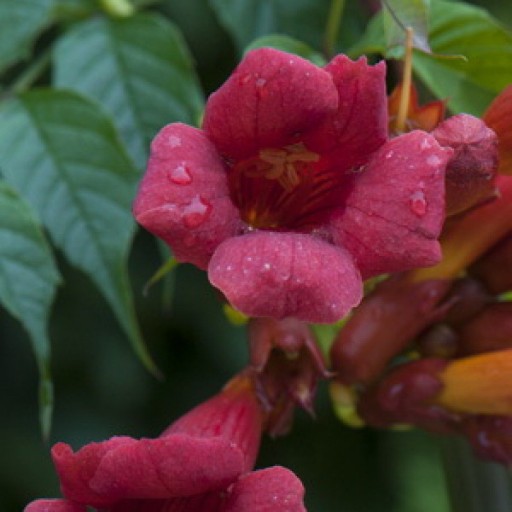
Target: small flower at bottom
[
  {"x": 198, "y": 464},
  {"x": 291, "y": 193}
]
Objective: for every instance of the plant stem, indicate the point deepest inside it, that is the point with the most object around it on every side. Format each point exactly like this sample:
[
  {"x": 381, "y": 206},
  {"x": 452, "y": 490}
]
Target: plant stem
[
  {"x": 333, "y": 26},
  {"x": 474, "y": 485},
  {"x": 403, "y": 108},
  {"x": 31, "y": 74}
]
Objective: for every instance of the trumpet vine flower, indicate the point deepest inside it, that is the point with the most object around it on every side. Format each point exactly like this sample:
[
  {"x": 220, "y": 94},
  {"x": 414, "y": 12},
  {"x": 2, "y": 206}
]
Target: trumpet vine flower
[{"x": 291, "y": 193}]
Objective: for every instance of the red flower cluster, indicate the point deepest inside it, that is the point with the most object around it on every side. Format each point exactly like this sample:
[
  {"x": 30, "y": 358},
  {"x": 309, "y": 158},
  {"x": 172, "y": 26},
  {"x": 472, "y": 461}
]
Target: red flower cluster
[
  {"x": 450, "y": 316},
  {"x": 291, "y": 193}
]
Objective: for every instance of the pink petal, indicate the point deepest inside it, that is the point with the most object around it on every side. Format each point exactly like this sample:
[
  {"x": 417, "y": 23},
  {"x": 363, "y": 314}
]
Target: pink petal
[
  {"x": 395, "y": 212},
  {"x": 123, "y": 468},
  {"x": 54, "y": 506},
  {"x": 360, "y": 124},
  {"x": 274, "y": 489},
  {"x": 184, "y": 195},
  {"x": 269, "y": 100},
  {"x": 278, "y": 275},
  {"x": 233, "y": 414}
]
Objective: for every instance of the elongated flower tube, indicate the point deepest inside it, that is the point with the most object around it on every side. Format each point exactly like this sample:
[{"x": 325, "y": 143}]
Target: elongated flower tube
[{"x": 291, "y": 194}]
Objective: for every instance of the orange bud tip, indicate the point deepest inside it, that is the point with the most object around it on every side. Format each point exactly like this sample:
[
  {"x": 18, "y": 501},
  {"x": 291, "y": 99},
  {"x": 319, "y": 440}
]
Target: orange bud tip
[{"x": 479, "y": 384}]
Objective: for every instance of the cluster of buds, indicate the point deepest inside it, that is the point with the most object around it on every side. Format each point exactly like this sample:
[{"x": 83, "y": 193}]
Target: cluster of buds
[{"x": 432, "y": 347}]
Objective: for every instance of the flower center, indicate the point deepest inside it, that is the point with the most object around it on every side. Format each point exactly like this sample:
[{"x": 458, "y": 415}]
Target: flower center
[{"x": 288, "y": 188}]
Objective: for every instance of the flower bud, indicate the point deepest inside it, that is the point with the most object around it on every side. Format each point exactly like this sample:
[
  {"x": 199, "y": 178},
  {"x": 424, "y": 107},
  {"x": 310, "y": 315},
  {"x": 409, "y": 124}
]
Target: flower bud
[
  {"x": 490, "y": 330},
  {"x": 494, "y": 268},
  {"x": 497, "y": 117},
  {"x": 471, "y": 170},
  {"x": 490, "y": 437},
  {"x": 384, "y": 324},
  {"x": 405, "y": 396},
  {"x": 480, "y": 384}
]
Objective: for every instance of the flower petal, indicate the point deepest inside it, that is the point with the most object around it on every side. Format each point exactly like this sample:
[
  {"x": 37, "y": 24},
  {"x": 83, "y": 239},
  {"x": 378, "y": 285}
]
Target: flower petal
[
  {"x": 278, "y": 275},
  {"x": 270, "y": 98},
  {"x": 395, "y": 211},
  {"x": 184, "y": 195},
  {"x": 359, "y": 126},
  {"x": 274, "y": 489},
  {"x": 54, "y": 506},
  {"x": 123, "y": 468}
]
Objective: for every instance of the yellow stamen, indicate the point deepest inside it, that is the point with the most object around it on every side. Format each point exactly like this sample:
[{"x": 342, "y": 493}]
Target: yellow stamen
[
  {"x": 283, "y": 163},
  {"x": 479, "y": 384}
]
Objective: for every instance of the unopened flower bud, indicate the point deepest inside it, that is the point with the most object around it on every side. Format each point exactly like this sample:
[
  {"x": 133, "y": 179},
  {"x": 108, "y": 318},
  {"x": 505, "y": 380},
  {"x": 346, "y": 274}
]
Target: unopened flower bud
[
  {"x": 490, "y": 330},
  {"x": 384, "y": 324},
  {"x": 471, "y": 170},
  {"x": 467, "y": 296},
  {"x": 490, "y": 437},
  {"x": 405, "y": 396},
  {"x": 480, "y": 384},
  {"x": 440, "y": 340},
  {"x": 497, "y": 117},
  {"x": 494, "y": 269}
]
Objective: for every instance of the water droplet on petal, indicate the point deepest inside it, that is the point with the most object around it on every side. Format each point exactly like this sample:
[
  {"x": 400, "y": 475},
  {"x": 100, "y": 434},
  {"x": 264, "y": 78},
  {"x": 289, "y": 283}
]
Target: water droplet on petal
[
  {"x": 389, "y": 154},
  {"x": 244, "y": 79},
  {"x": 174, "y": 141},
  {"x": 425, "y": 144},
  {"x": 196, "y": 212},
  {"x": 260, "y": 82},
  {"x": 418, "y": 203},
  {"x": 180, "y": 175},
  {"x": 433, "y": 160}
]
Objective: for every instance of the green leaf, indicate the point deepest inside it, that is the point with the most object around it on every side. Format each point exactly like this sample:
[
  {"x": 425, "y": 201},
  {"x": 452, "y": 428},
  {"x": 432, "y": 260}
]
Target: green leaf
[
  {"x": 246, "y": 20},
  {"x": 63, "y": 155},
  {"x": 21, "y": 21},
  {"x": 398, "y": 15},
  {"x": 28, "y": 280},
  {"x": 456, "y": 28},
  {"x": 138, "y": 68},
  {"x": 288, "y": 44}
]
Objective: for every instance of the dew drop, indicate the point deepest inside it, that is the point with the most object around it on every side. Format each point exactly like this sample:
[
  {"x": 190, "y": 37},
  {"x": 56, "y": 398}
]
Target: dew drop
[
  {"x": 260, "y": 82},
  {"x": 180, "y": 175},
  {"x": 174, "y": 141},
  {"x": 244, "y": 79},
  {"x": 433, "y": 160},
  {"x": 425, "y": 144},
  {"x": 418, "y": 203},
  {"x": 389, "y": 154},
  {"x": 196, "y": 212}
]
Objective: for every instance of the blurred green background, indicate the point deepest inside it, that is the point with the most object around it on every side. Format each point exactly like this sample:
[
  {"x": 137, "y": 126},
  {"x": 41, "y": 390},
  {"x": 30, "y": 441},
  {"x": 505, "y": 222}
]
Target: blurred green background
[{"x": 102, "y": 389}]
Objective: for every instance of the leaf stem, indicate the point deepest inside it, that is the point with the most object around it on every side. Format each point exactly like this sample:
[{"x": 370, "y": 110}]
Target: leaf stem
[
  {"x": 30, "y": 74},
  {"x": 474, "y": 485},
  {"x": 333, "y": 25},
  {"x": 403, "y": 108}
]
